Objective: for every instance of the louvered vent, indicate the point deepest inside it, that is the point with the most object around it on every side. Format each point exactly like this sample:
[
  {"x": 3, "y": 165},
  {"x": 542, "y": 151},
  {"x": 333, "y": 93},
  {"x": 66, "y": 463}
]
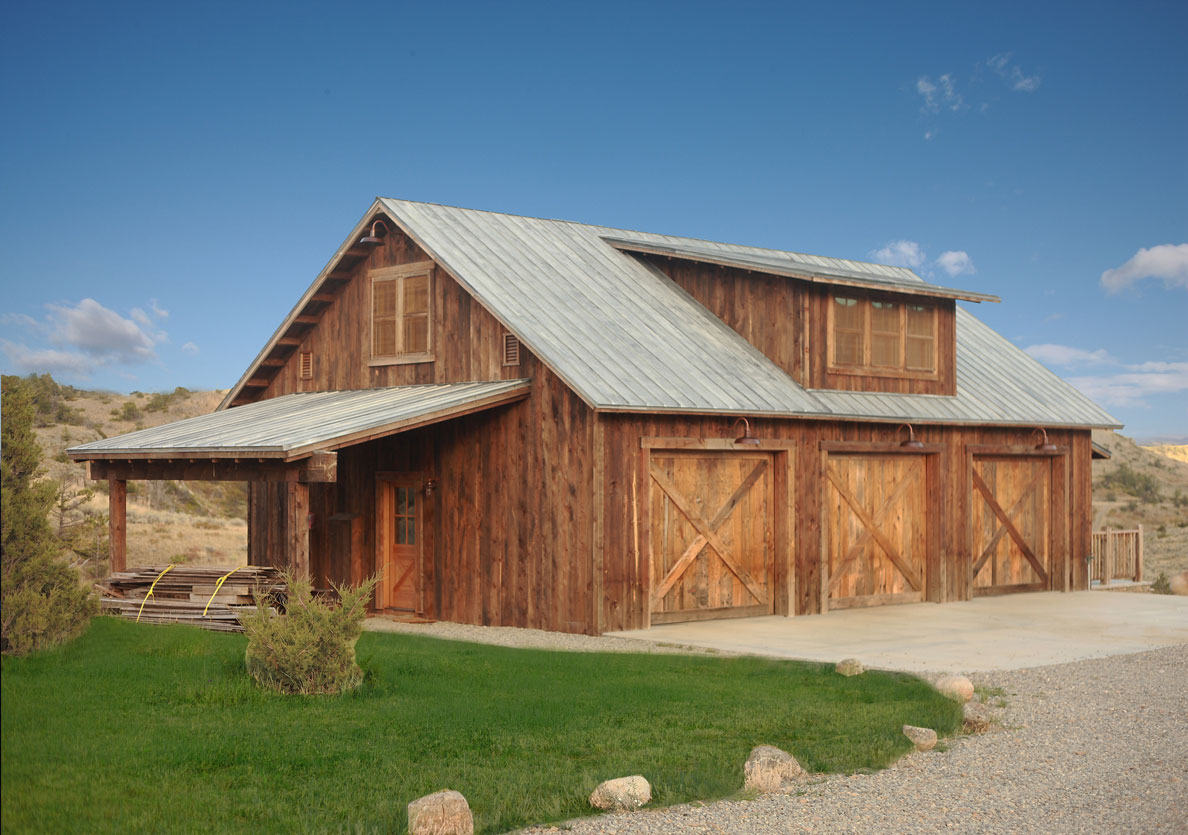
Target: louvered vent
[
  {"x": 307, "y": 365},
  {"x": 511, "y": 349}
]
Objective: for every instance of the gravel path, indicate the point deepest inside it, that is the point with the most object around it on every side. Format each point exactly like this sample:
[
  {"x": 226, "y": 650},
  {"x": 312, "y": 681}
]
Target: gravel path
[{"x": 1098, "y": 746}]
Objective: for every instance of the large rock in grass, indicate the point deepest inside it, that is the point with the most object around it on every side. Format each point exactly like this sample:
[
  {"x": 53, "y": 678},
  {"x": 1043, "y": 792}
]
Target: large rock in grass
[
  {"x": 958, "y": 688},
  {"x": 850, "y": 667},
  {"x": 1179, "y": 583},
  {"x": 770, "y": 769},
  {"x": 624, "y": 794},
  {"x": 923, "y": 738},
  {"x": 441, "y": 813}
]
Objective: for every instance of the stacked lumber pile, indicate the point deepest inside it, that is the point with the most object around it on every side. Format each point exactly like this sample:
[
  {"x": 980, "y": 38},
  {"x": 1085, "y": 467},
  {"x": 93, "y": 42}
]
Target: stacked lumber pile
[{"x": 189, "y": 594}]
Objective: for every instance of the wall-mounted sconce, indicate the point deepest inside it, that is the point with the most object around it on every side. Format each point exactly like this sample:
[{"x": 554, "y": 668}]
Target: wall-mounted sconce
[
  {"x": 430, "y": 487},
  {"x": 746, "y": 438},
  {"x": 1044, "y": 445},
  {"x": 911, "y": 442},
  {"x": 372, "y": 238}
]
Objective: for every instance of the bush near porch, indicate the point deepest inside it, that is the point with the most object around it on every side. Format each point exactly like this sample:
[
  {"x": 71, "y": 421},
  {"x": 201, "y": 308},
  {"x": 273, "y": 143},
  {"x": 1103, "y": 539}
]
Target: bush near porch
[{"x": 149, "y": 728}]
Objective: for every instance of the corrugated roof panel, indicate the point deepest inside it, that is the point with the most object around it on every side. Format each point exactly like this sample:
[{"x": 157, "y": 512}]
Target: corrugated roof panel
[{"x": 280, "y": 426}]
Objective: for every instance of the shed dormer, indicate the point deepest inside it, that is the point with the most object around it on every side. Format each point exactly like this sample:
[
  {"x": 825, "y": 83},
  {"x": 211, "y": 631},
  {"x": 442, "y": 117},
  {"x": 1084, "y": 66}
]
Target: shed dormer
[{"x": 829, "y": 323}]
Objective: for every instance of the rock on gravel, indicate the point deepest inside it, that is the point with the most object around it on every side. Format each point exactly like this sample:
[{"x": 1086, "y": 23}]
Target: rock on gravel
[
  {"x": 622, "y": 794},
  {"x": 770, "y": 769},
  {"x": 923, "y": 738},
  {"x": 958, "y": 688}
]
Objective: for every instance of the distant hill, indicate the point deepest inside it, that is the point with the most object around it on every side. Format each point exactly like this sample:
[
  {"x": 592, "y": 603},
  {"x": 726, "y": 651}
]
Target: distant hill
[
  {"x": 1139, "y": 486},
  {"x": 1179, "y": 452}
]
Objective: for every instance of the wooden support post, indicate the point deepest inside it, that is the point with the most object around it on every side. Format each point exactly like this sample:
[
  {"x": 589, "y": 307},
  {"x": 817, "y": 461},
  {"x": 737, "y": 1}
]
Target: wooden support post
[
  {"x": 297, "y": 530},
  {"x": 1107, "y": 561},
  {"x": 117, "y": 512},
  {"x": 1138, "y": 557}
]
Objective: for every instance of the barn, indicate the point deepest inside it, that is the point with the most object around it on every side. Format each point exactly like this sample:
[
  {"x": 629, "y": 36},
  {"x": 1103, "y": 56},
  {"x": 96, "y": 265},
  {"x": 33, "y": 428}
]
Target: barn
[{"x": 540, "y": 423}]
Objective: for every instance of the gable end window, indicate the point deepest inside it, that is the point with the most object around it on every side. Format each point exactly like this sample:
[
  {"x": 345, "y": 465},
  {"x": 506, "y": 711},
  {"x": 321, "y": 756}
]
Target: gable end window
[
  {"x": 888, "y": 338},
  {"x": 401, "y": 313}
]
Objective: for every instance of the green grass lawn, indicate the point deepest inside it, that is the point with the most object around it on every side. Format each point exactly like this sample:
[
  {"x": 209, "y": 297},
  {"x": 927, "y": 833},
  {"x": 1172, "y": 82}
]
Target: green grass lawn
[{"x": 155, "y": 729}]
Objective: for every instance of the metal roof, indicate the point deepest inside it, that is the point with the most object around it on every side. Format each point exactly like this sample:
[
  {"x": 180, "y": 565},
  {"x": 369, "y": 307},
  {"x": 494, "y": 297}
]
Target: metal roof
[
  {"x": 795, "y": 265},
  {"x": 296, "y": 425}
]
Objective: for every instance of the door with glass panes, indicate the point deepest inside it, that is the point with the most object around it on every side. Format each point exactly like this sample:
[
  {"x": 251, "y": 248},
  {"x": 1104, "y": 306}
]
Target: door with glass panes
[{"x": 398, "y": 541}]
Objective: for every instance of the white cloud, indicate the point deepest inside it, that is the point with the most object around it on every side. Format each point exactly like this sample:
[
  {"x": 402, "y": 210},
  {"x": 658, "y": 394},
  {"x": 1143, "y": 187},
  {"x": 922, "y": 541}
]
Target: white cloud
[
  {"x": 928, "y": 134},
  {"x": 1131, "y": 387},
  {"x": 157, "y": 310},
  {"x": 900, "y": 254},
  {"x": 46, "y": 361},
  {"x": 1013, "y": 74},
  {"x": 104, "y": 334},
  {"x": 941, "y": 95},
  {"x": 956, "y": 262},
  {"x": 190, "y": 348},
  {"x": 1166, "y": 261},
  {"x": 1068, "y": 356}
]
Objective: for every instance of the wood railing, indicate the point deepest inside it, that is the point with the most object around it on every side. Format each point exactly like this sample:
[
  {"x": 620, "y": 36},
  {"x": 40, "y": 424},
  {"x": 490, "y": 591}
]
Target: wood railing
[{"x": 1117, "y": 555}]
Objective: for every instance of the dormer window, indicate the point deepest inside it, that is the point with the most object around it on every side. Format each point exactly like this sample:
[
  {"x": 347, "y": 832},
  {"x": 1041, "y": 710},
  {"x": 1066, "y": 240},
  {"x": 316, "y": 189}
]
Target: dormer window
[
  {"x": 401, "y": 313},
  {"x": 881, "y": 337}
]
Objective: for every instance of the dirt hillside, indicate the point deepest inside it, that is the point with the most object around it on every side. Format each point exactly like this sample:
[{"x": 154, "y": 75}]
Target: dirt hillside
[
  {"x": 1179, "y": 452},
  {"x": 1139, "y": 486}
]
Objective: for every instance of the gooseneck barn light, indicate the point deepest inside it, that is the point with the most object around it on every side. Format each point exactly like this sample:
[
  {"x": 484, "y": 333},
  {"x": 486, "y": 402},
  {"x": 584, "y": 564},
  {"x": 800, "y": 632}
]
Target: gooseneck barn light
[
  {"x": 911, "y": 442},
  {"x": 373, "y": 239},
  {"x": 746, "y": 438}
]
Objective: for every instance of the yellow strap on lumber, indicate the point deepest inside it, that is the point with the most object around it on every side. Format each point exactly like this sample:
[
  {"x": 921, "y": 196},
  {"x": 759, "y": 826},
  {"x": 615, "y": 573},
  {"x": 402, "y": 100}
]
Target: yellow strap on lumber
[
  {"x": 150, "y": 591},
  {"x": 218, "y": 586}
]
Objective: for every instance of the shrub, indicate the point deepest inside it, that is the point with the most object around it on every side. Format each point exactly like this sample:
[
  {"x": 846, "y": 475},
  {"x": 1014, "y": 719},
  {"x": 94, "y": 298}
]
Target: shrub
[
  {"x": 42, "y": 602},
  {"x": 1139, "y": 485},
  {"x": 311, "y": 648},
  {"x": 1161, "y": 585}
]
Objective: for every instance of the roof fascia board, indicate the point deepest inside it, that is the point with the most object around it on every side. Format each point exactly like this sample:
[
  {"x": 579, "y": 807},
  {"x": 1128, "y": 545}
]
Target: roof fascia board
[
  {"x": 457, "y": 276},
  {"x": 932, "y": 290},
  {"x": 339, "y": 254}
]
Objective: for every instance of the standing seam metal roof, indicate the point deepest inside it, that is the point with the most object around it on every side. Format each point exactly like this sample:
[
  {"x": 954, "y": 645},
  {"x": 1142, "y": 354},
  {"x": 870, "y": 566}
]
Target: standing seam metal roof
[{"x": 627, "y": 338}]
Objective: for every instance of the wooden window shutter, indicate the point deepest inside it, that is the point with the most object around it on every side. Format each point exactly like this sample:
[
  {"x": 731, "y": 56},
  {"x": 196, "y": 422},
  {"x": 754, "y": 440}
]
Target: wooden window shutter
[
  {"x": 511, "y": 349},
  {"x": 307, "y": 365}
]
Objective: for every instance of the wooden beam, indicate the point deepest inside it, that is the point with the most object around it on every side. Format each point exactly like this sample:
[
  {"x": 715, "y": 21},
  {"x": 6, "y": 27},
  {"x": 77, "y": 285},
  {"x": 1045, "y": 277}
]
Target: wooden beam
[
  {"x": 321, "y": 467},
  {"x": 258, "y": 383},
  {"x": 289, "y": 341},
  {"x": 325, "y": 298},
  {"x": 305, "y": 319},
  {"x": 273, "y": 362},
  {"x": 117, "y": 509},
  {"x": 297, "y": 530}
]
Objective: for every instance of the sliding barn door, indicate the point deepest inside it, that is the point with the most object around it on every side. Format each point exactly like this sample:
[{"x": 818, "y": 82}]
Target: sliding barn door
[
  {"x": 875, "y": 529},
  {"x": 712, "y": 541},
  {"x": 1011, "y": 508}
]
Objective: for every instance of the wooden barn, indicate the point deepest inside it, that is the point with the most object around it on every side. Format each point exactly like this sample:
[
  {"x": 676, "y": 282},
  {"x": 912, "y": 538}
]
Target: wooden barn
[{"x": 547, "y": 424}]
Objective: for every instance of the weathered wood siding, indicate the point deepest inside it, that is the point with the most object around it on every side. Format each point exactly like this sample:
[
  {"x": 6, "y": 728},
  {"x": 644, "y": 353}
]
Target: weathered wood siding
[
  {"x": 797, "y": 585},
  {"x": 508, "y": 530},
  {"x": 467, "y": 340}
]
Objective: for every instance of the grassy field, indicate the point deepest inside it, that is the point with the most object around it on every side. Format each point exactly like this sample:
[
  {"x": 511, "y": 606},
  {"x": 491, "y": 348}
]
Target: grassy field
[{"x": 145, "y": 728}]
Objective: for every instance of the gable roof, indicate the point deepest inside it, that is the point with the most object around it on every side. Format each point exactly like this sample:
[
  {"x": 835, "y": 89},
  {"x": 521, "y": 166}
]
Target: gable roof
[{"x": 625, "y": 337}]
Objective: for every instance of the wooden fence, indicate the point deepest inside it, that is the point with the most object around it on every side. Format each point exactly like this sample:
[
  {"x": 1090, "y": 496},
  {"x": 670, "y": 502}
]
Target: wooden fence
[{"x": 1117, "y": 555}]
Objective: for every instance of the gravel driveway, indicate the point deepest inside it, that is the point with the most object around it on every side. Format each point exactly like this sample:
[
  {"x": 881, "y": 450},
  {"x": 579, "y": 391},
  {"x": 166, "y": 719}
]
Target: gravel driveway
[{"x": 1091, "y": 746}]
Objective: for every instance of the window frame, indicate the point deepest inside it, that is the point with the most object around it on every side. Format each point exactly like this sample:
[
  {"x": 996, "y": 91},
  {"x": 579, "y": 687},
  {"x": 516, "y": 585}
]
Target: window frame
[
  {"x": 866, "y": 368},
  {"x": 399, "y": 274}
]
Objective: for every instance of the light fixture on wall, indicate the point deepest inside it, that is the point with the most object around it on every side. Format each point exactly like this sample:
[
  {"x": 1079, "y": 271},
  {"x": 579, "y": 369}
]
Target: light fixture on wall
[
  {"x": 746, "y": 437},
  {"x": 911, "y": 442},
  {"x": 430, "y": 487},
  {"x": 1044, "y": 445},
  {"x": 373, "y": 239}
]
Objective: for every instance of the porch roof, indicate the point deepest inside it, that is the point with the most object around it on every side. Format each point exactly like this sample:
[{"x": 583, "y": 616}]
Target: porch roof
[{"x": 296, "y": 425}]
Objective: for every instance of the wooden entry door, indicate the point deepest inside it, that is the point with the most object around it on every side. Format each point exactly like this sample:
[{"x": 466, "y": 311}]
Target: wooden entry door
[
  {"x": 399, "y": 536},
  {"x": 712, "y": 539},
  {"x": 1011, "y": 517},
  {"x": 875, "y": 537}
]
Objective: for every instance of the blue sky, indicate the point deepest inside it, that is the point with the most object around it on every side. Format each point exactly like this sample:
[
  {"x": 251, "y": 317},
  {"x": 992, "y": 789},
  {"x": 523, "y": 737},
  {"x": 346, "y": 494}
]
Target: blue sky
[{"x": 173, "y": 176}]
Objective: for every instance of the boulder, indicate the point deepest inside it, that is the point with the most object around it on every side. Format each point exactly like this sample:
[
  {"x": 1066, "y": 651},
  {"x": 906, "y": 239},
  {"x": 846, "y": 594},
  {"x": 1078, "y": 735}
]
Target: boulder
[
  {"x": 441, "y": 813},
  {"x": 850, "y": 667},
  {"x": 976, "y": 718},
  {"x": 1179, "y": 583},
  {"x": 923, "y": 738},
  {"x": 622, "y": 795},
  {"x": 958, "y": 688},
  {"x": 770, "y": 769}
]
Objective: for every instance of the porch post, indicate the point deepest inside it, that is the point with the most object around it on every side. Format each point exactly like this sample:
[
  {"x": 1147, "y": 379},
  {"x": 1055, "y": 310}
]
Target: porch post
[
  {"x": 297, "y": 529},
  {"x": 117, "y": 512}
]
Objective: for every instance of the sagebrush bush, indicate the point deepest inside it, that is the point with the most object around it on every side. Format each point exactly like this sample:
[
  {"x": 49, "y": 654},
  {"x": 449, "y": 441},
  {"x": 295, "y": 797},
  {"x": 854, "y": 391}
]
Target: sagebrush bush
[{"x": 309, "y": 649}]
